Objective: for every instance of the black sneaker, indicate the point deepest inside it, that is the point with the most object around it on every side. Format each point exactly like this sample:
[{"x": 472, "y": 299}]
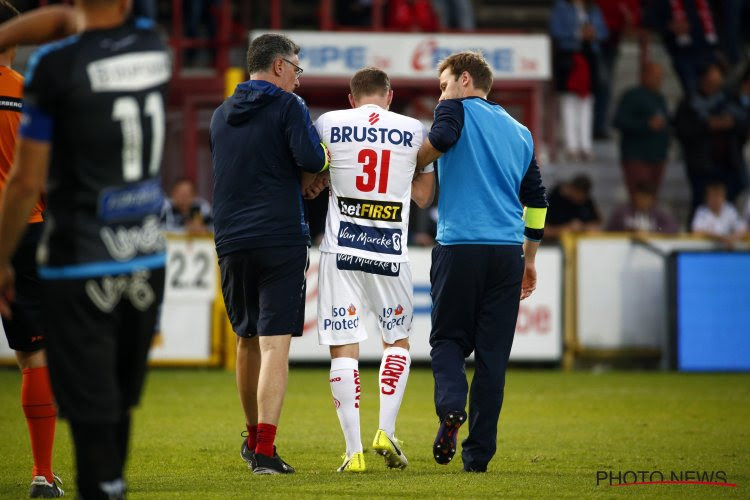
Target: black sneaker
[
  {"x": 40, "y": 488},
  {"x": 247, "y": 455},
  {"x": 475, "y": 468},
  {"x": 271, "y": 465},
  {"x": 444, "y": 446}
]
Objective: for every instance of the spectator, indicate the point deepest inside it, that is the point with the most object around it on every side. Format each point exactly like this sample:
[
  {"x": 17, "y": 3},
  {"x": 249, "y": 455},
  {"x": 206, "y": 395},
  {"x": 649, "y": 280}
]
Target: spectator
[
  {"x": 354, "y": 13},
  {"x": 743, "y": 99},
  {"x": 455, "y": 14},
  {"x": 411, "y": 15},
  {"x": 717, "y": 218},
  {"x": 642, "y": 215},
  {"x": 621, "y": 17},
  {"x": 732, "y": 19},
  {"x": 577, "y": 30},
  {"x": 184, "y": 211},
  {"x": 199, "y": 14},
  {"x": 642, "y": 118},
  {"x": 743, "y": 91},
  {"x": 712, "y": 129},
  {"x": 571, "y": 208},
  {"x": 689, "y": 34}
]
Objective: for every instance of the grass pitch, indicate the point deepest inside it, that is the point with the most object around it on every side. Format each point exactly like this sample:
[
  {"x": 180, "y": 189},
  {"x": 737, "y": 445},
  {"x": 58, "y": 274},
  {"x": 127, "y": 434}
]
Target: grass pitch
[{"x": 556, "y": 431}]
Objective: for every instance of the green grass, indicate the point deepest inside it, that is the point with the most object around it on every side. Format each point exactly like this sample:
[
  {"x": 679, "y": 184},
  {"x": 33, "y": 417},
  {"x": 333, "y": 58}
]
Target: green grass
[{"x": 556, "y": 430}]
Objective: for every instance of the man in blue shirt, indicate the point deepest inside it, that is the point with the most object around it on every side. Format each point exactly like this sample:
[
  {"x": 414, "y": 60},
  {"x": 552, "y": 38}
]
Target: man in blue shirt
[
  {"x": 262, "y": 141},
  {"x": 487, "y": 174}
]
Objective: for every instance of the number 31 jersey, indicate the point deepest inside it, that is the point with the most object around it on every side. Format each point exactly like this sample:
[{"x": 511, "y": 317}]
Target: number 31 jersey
[
  {"x": 98, "y": 99},
  {"x": 373, "y": 158}
]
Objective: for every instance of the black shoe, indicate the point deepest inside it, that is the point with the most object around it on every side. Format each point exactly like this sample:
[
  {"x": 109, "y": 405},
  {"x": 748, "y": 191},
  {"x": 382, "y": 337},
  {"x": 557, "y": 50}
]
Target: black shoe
[
  {"x": 247, "y": 455},
  {"x": 475, "y": 468},
  {"x": 444, "y": 446},
  {"x": 40, "y": 488},
  {"x": 271, "y": 465}
]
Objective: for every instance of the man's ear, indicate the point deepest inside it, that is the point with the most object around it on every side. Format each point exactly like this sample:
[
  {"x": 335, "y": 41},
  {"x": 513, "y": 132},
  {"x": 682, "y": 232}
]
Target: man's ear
[
  {"x": 465, "y": 79},
  {"x": 352, "y": 103},
  {"x": 390, "y": 98},
  {"x": 277, "y": 67}
]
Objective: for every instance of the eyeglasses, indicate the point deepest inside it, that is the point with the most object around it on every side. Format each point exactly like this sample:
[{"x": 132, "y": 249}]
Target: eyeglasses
[{"x": 297, "y": 70}]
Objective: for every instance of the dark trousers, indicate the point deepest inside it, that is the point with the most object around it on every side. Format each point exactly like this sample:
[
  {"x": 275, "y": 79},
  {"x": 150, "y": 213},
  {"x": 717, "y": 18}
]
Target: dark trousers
[
  {"x": 642, "y": 172},
  {"x": 475, "y": 297},
  {"x": 603, "y": 86}
]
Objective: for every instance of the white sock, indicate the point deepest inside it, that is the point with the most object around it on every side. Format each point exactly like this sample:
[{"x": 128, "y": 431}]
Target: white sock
[
  {"x": 394, "y": 371},
  {"x": 346, "y": 391}
]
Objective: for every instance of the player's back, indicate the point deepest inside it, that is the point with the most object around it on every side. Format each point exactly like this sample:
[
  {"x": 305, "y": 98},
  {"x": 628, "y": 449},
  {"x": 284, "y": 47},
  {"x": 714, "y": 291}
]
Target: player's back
[
  {"x": 104, "y": 91},
  {"x": 373, "y": 158}
]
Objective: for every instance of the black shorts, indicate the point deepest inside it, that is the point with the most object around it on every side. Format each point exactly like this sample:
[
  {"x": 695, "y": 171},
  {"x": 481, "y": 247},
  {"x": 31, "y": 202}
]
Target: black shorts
[
  {"x": 25, "y": 331},
  {"x": 101, "y": 331},
  {"x": 264, "y": 290}
]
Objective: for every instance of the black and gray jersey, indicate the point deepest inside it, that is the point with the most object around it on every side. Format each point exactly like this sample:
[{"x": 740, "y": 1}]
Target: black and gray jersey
[{"x": 98, "y": 99}]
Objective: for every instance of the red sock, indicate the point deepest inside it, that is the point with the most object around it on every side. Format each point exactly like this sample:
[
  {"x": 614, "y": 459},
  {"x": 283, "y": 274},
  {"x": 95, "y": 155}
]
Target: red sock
[
  {"x": 41, "y": 416},
  {"x": 252, "y": 436},
  {"x": 266, "y": 435}
]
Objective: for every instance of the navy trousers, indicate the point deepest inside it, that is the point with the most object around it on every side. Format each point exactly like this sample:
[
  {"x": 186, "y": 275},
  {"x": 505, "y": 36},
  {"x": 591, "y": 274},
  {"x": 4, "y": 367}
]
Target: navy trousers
[{"x": 475, "y": 297}]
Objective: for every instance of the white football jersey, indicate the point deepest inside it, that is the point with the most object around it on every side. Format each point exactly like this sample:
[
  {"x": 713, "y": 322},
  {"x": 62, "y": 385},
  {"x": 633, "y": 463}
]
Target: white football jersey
[{"x": 373, "y": 157}]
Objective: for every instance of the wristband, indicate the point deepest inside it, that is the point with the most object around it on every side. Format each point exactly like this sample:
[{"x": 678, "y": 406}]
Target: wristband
[{"x": 326, "y": 155}]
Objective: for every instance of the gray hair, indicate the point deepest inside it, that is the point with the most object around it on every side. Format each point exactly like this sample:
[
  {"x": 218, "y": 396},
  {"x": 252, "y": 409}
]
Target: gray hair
[{"x": 266, "y": 48}]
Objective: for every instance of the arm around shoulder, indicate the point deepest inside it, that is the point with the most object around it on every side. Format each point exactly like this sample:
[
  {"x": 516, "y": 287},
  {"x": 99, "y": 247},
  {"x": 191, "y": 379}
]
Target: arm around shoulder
[
  {"x": 309, "y": 153},
  {"x": 41, "y": 25}
]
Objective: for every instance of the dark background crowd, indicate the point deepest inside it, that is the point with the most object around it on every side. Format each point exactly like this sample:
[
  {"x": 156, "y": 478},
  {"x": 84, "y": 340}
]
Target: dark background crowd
[{"x": 705, "y": 46}]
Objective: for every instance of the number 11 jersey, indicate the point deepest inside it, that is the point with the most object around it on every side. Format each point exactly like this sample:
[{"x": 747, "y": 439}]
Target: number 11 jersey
[
  {"x": 98, "y": 99},
  {"x": 373, "y": 158}
]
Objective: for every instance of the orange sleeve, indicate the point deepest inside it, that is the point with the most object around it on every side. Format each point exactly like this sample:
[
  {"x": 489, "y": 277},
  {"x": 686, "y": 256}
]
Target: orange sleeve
[{"x": 11, "y": 95}]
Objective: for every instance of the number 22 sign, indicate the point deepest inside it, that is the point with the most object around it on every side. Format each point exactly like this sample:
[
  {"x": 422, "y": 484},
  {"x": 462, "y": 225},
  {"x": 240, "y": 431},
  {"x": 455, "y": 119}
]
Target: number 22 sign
[{"x": 191, "y": 267}]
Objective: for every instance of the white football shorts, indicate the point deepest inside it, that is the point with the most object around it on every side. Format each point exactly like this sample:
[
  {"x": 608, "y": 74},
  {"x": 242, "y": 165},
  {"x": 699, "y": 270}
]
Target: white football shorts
[{"x": 350, "y": 288}]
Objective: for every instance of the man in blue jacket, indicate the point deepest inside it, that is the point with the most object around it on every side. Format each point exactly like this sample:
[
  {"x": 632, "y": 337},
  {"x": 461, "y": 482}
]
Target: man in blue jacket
[
  {"x": 487, "y": 173},
  {"x": 262, "y": 142}
]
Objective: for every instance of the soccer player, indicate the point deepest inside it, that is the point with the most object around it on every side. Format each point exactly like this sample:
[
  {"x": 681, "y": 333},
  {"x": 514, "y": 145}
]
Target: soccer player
[
  {"x": 484, "y": 261},
  {"x": 262, "y": 139},
  {"x": 364, "y": 265},
  {"x": 23, "y": 329},
  {"x": 93, "y": 127}
]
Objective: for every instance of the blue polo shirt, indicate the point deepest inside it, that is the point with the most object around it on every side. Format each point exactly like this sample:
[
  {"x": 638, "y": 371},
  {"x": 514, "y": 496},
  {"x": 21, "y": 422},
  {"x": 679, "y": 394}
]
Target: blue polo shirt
[{"x": 487, "y": 173}]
